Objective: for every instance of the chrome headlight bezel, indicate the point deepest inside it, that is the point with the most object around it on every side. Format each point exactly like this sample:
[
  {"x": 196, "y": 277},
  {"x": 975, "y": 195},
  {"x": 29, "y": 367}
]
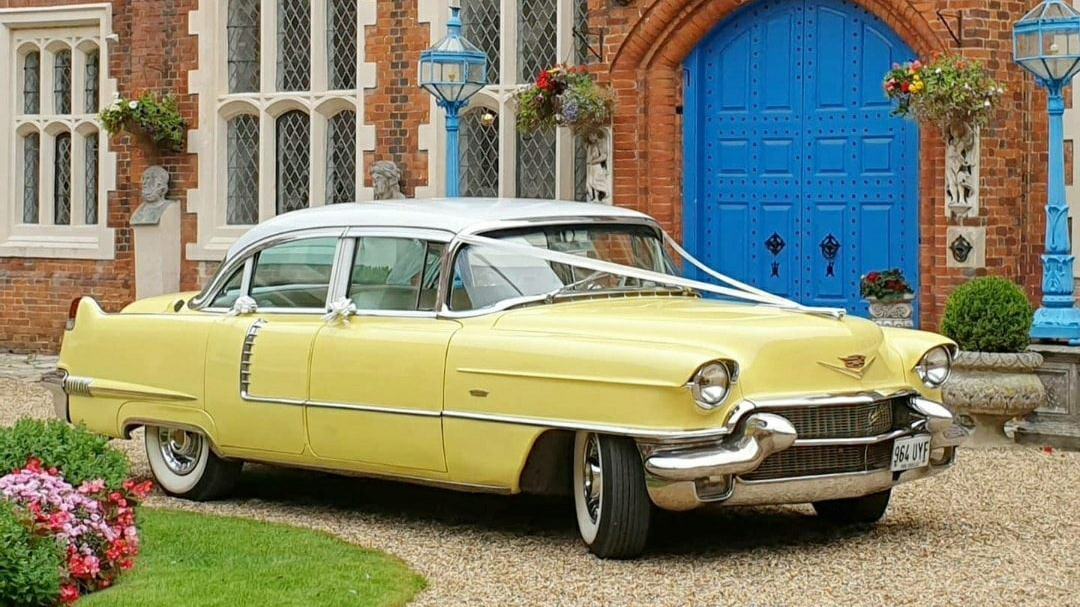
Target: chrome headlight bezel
[
  {"x": 935, "y": 366},
  {"x": 711, "y": 384}
]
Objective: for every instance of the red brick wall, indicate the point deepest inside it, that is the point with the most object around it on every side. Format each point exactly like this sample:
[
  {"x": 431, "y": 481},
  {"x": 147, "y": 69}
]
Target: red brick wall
[
  {"x": 397, "y": 106},
  {"x": 153, "y": 54}
]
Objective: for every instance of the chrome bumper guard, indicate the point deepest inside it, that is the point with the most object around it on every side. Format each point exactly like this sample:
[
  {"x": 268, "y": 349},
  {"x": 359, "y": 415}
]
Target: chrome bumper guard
[
  {"x": 681, "y": 477},
  {"x": 55, "y": 381}
]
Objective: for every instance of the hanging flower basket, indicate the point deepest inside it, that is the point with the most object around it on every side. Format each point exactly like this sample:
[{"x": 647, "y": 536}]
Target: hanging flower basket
[
  {"x": 156, "y": 118},
  {"x": 565, "y": 96},
  {"x": 951, "y": 90}
]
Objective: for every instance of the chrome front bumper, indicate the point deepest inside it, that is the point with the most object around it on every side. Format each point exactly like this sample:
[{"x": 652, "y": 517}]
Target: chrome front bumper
[
  {"x": 54, "y": 382},
  {"x": 683, "y": 477}
]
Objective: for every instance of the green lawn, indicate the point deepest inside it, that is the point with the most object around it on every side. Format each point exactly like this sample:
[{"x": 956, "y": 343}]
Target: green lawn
[{"x": 198, "y": 560}]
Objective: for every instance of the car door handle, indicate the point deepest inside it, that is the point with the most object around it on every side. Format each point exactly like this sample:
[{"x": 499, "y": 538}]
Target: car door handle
[{"x": 340, "y": 310}]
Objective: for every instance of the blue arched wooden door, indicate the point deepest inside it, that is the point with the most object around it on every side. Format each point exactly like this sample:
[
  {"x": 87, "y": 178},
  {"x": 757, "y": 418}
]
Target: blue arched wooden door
[{"x": 797, "y": 177}]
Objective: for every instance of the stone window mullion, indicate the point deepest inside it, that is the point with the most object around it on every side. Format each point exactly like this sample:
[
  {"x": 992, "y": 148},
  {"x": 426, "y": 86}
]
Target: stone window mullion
[
  {"x": 317, "y": 159},
  {"x": 77, "y": 179},
  {"x": 269, "y": 47},
  {"x": 318, "y": 60}
]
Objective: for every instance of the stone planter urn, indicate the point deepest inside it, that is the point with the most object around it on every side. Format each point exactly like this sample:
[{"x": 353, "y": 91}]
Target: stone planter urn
[
  {"x": 892, "y": 312},
  {"x": 992, "y": 388}
]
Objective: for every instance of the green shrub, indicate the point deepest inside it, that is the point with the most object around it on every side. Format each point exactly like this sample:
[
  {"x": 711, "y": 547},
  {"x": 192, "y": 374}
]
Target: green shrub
[
  {"x": 30, "y": 566},
  {"x": 78, "y": 453},
  {"x": 989, "y": 314}
]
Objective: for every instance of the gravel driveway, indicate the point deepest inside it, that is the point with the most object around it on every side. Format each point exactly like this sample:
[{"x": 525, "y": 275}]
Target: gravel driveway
[{"x": 1002, "y": 528}]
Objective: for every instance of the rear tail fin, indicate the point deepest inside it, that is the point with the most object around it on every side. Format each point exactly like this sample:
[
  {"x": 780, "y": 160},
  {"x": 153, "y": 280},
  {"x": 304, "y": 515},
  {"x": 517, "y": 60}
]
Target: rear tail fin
[{"x": 80, "y": 307}]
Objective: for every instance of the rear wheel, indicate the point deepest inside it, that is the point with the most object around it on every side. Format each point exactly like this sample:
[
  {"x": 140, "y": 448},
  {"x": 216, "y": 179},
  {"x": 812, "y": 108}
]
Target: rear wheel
[
  {"x": 185, "y": 466},
  {"x": 855, "y": 510},
  {"x": 612, "y": 504}
]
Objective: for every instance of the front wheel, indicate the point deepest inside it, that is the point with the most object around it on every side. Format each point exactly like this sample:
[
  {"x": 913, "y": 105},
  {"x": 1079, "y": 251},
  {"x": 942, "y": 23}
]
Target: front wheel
[
  {"x": 185, "y": 466},
  {"x": 855, "y": 510},
  {"x": 613, "y": 507}
]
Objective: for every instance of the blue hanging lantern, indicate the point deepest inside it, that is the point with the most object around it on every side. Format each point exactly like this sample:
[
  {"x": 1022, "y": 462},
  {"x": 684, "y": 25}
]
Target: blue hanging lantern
[
  {"x": 1046, "y": 42},
  {"x": 453, "y": 70}
]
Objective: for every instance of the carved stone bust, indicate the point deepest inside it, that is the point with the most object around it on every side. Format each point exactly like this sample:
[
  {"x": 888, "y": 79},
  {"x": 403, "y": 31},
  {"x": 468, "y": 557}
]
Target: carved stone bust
[
  {"x": 386, "y": 177},
  {"x": 155, "y": 186}
]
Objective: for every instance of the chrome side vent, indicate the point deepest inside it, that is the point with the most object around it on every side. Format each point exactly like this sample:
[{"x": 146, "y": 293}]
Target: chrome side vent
[{"x": 246, "y": 353}]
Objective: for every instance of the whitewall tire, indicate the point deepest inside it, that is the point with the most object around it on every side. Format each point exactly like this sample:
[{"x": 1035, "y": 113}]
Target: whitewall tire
[
  {"x": 610, "y": 499},
  {"x": 185, "y": 466}
]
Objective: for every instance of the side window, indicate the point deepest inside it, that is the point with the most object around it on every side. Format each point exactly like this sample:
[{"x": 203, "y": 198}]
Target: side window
[
  {"x": 294, "y": 274},
  {"x": 395, "y": 274},
  {"x": 230, "y": 291}
]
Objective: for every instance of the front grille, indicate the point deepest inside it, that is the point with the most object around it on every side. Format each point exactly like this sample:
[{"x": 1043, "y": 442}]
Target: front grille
[
  {"x": 840, "y": 421},
  {"x": 825, "y": 459}
]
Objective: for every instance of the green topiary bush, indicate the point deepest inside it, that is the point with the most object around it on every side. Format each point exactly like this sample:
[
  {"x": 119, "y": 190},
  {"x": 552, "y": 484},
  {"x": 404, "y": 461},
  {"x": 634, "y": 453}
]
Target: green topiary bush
[
  {"x": 79, "y": 454},
  {"x": 30, "y": 566},
  {"x": 989, "y": 314}
]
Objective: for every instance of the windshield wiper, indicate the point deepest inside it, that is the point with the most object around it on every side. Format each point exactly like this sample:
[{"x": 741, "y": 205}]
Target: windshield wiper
[{"x": 550, "y": 296}]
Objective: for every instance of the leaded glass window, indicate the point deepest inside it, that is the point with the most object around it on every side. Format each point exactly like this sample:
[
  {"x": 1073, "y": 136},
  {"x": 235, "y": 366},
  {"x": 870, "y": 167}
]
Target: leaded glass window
[
  {"x": 293, "y": 161},
  {"x": 62, "y": 82},
  {"x": 480, "y": 25},
  {"x": 32, "y": 83},
  {"x": 91, "y": 162},
  {"x": 242, "y": 200},
  {"x": 294, "y": 45},
  {"x": 536, "y": 165},
  {"x": 479, "y": 154},
  {"x": 537, "y": 37},
  {"x": 341, "y": 158},
  {"x": 341, "y": 44},
  {"x": 31, "y": 177},
  {"x": 244, "y": 45},
  {"x": 62, "y": 180},
  {"x": 93, "y": 69},
  {"x": 581, "y": 31},
  {"x": 581, "y": 170}
]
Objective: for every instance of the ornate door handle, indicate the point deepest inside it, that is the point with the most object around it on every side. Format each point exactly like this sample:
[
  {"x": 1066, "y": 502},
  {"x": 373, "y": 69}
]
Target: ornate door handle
[
  {"x": 830, "y": 246},
  {"x": 775, "y": 244}
]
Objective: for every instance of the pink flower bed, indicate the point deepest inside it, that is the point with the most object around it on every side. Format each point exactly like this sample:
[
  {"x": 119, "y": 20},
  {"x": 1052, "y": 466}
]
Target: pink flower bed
[{"x": 95, "y": 526}]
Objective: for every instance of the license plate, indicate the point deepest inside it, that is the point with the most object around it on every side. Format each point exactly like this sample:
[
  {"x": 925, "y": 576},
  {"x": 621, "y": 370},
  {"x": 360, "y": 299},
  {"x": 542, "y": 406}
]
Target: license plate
[{"x": 911, "y": 452}]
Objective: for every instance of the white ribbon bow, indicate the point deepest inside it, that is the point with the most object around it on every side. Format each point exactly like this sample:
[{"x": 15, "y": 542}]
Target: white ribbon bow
[
  {"x": 340, "y": 309},
  {"x": 243, "y": 305}
]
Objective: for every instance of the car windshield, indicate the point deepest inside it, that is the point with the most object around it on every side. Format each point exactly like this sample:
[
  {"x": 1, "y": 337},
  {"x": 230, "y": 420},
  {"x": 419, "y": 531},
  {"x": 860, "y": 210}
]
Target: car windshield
[{"x": 485, "y": 276}]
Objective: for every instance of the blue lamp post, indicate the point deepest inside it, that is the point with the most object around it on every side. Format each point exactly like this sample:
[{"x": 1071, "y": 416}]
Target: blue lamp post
[
  {"x": 1046, "y": 42},
  {"x": 453, "y": 70}
]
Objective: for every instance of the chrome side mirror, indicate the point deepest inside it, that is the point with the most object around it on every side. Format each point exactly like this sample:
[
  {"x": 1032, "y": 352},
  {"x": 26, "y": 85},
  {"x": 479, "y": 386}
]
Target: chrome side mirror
[{"x": 242, "y": 306}]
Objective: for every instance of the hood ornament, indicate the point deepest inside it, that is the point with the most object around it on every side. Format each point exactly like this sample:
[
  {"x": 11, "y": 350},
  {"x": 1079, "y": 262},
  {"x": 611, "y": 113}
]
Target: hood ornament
[{"x": 852, "y": 366}]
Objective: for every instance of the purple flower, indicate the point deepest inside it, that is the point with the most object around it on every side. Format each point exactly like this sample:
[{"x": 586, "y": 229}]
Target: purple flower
[{"x": 570, "y": 110}]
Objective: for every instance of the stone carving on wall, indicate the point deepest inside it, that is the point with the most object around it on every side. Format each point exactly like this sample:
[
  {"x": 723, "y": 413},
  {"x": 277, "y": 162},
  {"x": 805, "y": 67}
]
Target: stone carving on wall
[
  {"x": 598, "y": 162},
  {"x": 155, "y": 187},
  {"x": 962, "y": 171},
  {"x": 386, "y": 177}
]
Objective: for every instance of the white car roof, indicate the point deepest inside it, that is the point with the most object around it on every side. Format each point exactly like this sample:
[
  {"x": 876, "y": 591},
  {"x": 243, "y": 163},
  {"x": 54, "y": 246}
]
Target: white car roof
[{"x": 454, "y": 215}]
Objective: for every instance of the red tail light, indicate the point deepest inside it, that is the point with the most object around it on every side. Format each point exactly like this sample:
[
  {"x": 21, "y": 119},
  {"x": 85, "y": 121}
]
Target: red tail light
[{"x": 73, "y": 309}]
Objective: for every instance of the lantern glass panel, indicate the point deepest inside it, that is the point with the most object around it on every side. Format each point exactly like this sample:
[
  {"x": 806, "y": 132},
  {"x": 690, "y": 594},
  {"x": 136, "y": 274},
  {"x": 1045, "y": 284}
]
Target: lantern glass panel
[
  {"x": 452, "y": 72},
  {"x": 1027, "y": 45},
  {"x": 1062, "y": 67},
  {"x": 476, "y": 72}
]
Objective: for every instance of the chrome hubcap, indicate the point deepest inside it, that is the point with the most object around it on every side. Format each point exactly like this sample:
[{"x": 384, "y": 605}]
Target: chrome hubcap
[
  {"x": 180, "y": 449},
  {"x": 592, "y": 477}
]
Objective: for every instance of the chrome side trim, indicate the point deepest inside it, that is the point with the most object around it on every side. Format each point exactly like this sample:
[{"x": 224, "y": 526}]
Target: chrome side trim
[
  {"x": 373, "y": 408},
  {"x": 560, "y": 424},
  {"x": 565, "y": 377}
]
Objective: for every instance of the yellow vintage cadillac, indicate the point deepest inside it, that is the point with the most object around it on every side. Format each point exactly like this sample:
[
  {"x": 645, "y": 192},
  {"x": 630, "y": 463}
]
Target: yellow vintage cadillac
[{"x": 512, "y": 346}]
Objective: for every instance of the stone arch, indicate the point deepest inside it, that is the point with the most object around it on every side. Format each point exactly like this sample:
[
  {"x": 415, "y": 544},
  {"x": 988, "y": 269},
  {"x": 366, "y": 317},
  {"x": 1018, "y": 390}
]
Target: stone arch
[{"x": 647, "y": 126}]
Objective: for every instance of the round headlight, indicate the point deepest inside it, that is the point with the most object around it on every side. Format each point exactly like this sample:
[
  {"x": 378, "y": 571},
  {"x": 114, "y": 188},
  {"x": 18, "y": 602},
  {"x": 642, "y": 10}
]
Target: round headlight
[
  {"x": 935, "y": 367},
  {"x": 710, "y": 385}
]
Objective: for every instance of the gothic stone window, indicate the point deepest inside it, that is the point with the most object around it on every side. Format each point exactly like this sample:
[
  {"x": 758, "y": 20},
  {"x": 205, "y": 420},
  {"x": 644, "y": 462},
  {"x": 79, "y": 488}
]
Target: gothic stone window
[
  {"x": 544, "y": 165},
  {"x": 282, "y": 107},
  {"x": 56, "y": 167}
]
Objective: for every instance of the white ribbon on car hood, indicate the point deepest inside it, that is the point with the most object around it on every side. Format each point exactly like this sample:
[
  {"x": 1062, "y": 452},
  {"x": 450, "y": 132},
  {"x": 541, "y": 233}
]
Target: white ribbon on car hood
[{"x": 737, "y": 289}]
